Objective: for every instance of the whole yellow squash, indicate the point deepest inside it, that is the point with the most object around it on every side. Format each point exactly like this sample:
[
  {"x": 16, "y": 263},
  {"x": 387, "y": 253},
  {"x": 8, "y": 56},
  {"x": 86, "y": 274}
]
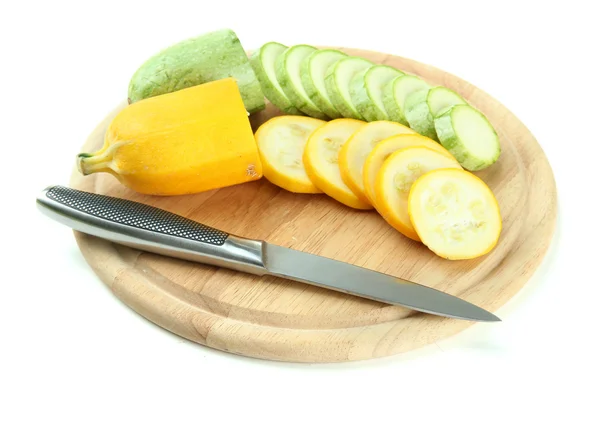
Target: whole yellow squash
[{"x": 192, "y": 140}]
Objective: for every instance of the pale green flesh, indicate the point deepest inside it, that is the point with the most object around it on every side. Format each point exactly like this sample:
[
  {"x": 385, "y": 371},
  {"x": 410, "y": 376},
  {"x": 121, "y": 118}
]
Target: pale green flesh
[
  {"x": 358, "y": 94},
  {"x": 440, "y": 99},
  {"x": 313, "y": 71},
  {"x": 337, "y": 82},
  {"x": 366, "y": 90},
  {"x": 263, "y": 62},
  {"x": 288, "y": 74},
  {"x": 396, "y": 92},
  {"x": 418, "y": 115},
  {"x": 468, "y": 135},
  {"x": 375, "y": 80},
  {"x": 269, "y": 56},
  {"x": 422, "y": 107},
  {"x": 293, "y": 69}
]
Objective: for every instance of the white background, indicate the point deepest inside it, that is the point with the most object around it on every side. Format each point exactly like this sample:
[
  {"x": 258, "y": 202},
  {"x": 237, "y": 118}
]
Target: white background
[{"x": 71, "y": 353}]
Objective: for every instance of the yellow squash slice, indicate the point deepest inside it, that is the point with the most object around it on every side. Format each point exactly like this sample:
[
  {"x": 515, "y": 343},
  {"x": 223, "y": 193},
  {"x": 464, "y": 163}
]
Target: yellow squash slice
[
  {"x": 321, "y": 160},
  {"x": 281, "y": 142},
  {"x": 455, "y": 214},
  {"x": 395, "y": 179},
  {"x": 385, "y": 148},
  {"x": 355, "y": 151}
]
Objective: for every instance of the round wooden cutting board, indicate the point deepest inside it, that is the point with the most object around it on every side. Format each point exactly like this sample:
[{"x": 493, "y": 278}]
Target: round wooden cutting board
[{"x": 277, "y": 319}]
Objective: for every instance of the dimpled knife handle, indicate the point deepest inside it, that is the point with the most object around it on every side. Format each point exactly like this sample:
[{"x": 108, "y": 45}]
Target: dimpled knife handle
[
  {"x": 136, "y": 215},
  {"x": 150, "y": 229}
]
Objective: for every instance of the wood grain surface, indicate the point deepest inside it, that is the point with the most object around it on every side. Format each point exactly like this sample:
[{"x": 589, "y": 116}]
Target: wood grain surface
[{"x": 277, "y": 319}]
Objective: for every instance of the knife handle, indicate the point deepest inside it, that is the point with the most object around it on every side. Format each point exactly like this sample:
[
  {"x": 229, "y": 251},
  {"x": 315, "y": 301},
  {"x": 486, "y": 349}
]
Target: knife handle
[{"x": 150, "y": 229}]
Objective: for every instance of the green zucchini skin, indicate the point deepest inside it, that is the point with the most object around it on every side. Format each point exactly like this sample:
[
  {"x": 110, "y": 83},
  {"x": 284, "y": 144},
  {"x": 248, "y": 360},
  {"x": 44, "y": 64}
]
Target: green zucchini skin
[
  {"x": 208, "y": 57},
  {"x": 287, "y": 69},
  {"x": 475, "y": 149},
  {"x": 263, "y": 64},
  {"x": 316, "y": 90}
]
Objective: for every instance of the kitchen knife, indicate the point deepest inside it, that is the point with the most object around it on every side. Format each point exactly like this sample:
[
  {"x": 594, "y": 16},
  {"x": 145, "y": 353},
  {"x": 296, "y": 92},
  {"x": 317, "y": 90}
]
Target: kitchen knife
[{"x": 151, "y": 229}]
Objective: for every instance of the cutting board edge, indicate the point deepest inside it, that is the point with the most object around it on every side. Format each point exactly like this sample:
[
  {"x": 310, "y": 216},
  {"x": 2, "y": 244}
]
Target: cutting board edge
[{"x": 230, "y": 342}]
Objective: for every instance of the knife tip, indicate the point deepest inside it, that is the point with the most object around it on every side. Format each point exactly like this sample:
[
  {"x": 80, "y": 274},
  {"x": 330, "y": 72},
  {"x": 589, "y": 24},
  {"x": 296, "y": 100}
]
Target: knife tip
[{"x": 489, "y": 317}]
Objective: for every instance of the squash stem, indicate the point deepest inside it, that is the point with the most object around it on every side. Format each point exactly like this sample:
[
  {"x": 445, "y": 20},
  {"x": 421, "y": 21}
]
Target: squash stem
[{"x": 88, "y": 163}]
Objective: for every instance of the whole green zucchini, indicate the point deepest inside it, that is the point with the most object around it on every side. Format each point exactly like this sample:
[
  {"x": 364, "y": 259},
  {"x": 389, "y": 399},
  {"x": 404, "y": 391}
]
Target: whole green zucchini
[{"x": 209, "y": 57}]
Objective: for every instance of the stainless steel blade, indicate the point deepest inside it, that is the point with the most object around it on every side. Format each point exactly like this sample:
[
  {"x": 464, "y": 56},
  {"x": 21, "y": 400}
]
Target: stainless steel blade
[
  {"x": 151, "y": 229},
  {"x": 351, "y": 279}
]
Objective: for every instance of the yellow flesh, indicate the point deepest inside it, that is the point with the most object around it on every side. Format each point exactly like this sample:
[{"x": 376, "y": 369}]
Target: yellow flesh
[
  {"x": 321, "y": 160},
  {"x": 455, "y": 214},
  {"x": 395, "y": 179},
  {"x": 281, "y": 142},
  {"x": 354, "y": 153},
  {"x": 385, "y": 148}
]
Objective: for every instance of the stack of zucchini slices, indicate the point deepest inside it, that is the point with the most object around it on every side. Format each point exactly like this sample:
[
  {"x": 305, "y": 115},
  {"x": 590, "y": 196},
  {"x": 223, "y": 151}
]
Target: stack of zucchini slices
[{"x": 330, "y": 84}]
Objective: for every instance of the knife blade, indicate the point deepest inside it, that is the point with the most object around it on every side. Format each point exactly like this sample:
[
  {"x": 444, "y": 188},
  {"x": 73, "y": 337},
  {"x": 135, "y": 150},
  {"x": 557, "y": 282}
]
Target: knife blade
[{"x": 151, "y": 229}]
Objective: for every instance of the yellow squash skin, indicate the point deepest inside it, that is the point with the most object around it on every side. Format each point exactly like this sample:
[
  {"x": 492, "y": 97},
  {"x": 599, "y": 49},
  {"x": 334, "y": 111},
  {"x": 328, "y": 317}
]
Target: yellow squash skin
[
  {"x": 395, "y": 179},
  {"x": 320, "y": 160},
  {"x": 281, "y": 142},
  {"x": 355, "y": 151},
  {"x": 384, "y": 149},
  {"x": 188, "y": 141}
]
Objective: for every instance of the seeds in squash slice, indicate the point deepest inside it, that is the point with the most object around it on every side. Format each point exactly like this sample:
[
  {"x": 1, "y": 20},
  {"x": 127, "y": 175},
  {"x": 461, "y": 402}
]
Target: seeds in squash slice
[
  {"x": 321, "y": 160},
  {"x": 384, "y": 149},
  {"x": 355, "y": 151},
  {"x": 281, "y": 142},
  {"x": 455, "y": 214},
  {"x": 395, "y": 179}
]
